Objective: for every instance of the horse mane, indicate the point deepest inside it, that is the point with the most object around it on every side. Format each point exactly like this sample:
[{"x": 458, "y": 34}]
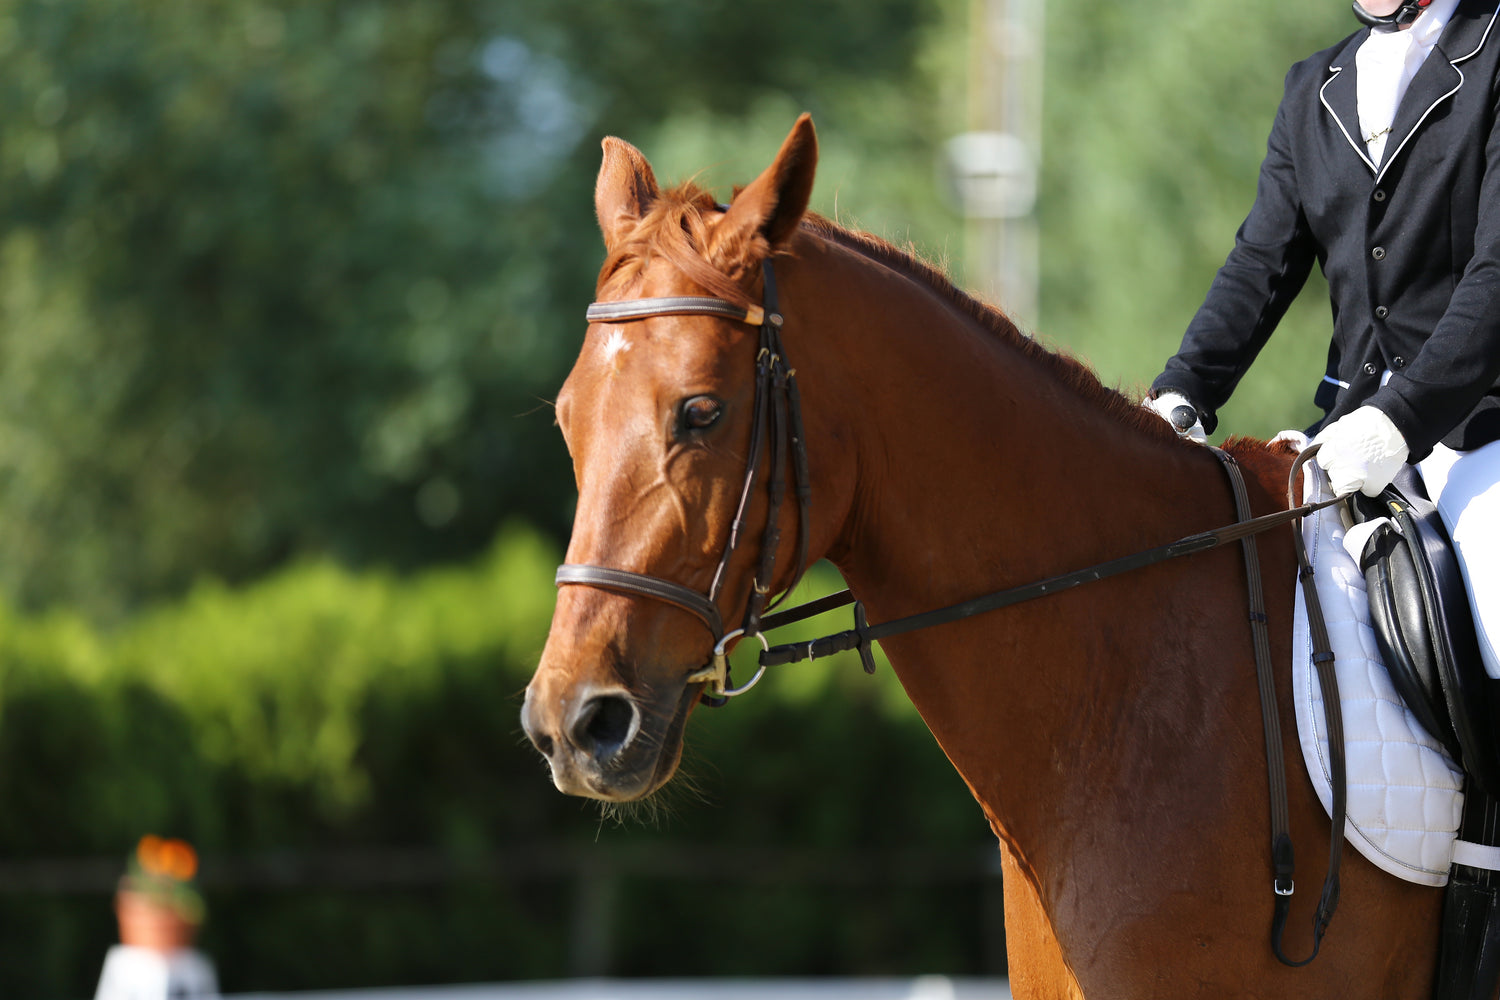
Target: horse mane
[{"x": 676, "y": 228}]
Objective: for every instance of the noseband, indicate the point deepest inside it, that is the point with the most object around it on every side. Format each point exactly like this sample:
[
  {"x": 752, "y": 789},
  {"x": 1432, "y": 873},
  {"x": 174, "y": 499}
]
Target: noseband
[{"x": 777, "y": 427}]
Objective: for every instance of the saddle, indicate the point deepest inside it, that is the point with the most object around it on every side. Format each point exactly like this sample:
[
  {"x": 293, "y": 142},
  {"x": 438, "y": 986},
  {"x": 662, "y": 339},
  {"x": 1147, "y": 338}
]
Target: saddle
[
  {"x": 1419, "y": 610},
  {"x": 1424, "y": 629}
]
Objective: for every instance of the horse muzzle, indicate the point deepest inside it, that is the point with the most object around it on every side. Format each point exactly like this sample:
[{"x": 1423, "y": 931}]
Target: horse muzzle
[{"x": 602, "y": 742}]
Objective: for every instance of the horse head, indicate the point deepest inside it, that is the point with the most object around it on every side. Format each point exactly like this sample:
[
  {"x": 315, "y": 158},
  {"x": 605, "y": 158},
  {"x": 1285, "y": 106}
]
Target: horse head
[{"x": 658, "y": 413}]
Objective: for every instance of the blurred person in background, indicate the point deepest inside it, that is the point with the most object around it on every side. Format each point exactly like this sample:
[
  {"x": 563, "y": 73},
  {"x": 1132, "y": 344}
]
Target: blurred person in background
[
  {"x": 159, "y": 911},
  {"x": 1383, "y": 165}
]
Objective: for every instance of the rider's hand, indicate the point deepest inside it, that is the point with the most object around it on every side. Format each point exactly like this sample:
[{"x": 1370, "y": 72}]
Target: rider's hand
[
  {"x": 1174, "y": 408},
  {"x": 1361, "y": 451}
]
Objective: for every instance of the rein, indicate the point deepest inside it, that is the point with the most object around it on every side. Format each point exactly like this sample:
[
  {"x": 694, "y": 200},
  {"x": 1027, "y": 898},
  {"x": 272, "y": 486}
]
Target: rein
[
  {"x": 777, "y": 427},
  {"x": 860, "y": 637}
]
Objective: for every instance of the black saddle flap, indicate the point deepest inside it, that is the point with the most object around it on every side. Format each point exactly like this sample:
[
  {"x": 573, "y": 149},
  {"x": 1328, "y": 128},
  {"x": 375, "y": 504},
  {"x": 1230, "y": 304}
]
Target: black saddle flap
[
  {"x": 1398, "y": 615},
  {"x": 1419, "y": 609}
]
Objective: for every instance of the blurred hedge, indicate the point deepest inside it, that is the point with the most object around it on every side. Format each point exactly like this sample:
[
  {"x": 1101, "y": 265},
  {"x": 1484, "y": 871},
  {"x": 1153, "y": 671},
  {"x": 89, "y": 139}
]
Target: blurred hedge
[{"x": 344, "y": 749}]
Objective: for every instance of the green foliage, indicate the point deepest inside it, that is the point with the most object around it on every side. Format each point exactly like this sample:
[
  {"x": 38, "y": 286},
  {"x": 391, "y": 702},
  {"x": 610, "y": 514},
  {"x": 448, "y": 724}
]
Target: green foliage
[
  {"x": 283, "y": 278},
  {"x": 1155, "y": 128},
  {"x": 230, "y": 239},
  {"x": 321, "y": 713}
]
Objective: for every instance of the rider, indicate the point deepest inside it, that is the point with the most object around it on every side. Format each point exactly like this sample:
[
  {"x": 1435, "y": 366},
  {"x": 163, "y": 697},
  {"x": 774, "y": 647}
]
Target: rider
[{"x": 1383, "y": 165}]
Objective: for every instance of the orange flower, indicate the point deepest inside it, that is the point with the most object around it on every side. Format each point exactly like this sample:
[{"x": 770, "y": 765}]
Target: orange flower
[
  {"x": 179, "y": 860},
  {"x": 147, "y": 852},
  {"x": 167, "y": 858}
]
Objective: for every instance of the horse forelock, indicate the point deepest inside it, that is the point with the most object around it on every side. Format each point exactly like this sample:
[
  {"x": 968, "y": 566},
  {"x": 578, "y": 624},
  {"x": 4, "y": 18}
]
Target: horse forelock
[{"x": 677, "y": 228}]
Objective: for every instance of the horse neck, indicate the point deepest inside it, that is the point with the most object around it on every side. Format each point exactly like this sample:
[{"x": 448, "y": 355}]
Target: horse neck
[
  {"x": 979, "y": 467},
  {"x": 974, "y": 452}
]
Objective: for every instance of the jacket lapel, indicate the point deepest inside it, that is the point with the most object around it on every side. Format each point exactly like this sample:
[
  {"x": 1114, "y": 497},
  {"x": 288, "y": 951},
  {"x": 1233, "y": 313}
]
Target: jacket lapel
[
  {"x": 1341, "y": 100},
  {"x": 1439, "y": 77}
]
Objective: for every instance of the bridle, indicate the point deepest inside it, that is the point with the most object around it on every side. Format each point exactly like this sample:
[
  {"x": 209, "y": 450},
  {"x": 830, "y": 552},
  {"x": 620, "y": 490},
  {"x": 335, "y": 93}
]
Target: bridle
[{"x": 776, "y": 426}]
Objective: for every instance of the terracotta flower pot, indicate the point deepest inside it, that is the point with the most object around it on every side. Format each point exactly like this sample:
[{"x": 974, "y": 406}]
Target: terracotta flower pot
[{"x": 147, "y": 923}]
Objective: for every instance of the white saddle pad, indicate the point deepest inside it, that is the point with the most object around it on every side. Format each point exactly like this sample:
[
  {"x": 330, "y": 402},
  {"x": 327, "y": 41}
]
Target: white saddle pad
[{"x": 1405, "y": 794}]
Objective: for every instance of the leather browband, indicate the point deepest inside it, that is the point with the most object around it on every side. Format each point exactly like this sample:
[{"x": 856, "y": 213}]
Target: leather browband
[{"x": 672, "y": 305}]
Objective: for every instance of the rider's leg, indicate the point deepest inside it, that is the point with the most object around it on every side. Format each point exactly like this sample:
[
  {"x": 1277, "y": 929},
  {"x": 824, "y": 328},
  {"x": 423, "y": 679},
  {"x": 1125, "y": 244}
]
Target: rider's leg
[{"x": 1465, "y": 485}]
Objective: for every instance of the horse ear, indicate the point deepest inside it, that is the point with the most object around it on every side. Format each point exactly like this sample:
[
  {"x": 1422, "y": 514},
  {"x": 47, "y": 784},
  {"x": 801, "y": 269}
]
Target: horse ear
[
  {"x": 625, "y": 189},
  {"x": 771, "y": 205}
]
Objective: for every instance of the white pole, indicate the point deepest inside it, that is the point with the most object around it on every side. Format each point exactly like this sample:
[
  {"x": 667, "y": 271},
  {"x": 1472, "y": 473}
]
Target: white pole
[{"x": 994, "y": 165}]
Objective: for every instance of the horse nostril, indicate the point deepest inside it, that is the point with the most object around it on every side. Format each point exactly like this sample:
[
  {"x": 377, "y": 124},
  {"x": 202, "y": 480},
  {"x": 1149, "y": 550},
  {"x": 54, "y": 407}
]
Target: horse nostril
[
  {"x": 603, "y": 726},
  {"x": 539, "y": 739}
]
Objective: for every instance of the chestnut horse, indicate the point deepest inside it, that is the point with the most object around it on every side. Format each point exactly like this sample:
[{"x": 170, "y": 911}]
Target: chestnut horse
[{"x": 1111, "y": 733}]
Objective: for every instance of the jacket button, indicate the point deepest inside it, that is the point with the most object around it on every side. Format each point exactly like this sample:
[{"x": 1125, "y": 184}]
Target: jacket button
[
  {"x": 1379, "y": 194},
  {"x": 1381, "y": 312},
  {"x": 1378, "y": 253},
  {"x": 1399, "y": 361},
  {"x": 1369, "y": 368}
]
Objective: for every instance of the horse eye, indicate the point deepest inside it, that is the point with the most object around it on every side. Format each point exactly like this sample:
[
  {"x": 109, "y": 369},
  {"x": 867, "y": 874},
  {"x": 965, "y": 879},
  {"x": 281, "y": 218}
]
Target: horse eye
[{"x": 698, "y": 413}]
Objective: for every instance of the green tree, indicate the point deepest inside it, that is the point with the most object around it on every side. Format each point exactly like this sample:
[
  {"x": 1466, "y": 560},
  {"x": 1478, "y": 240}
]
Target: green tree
[
  {"x": 1156, "y": 123},
  {"x": 281, "y": 277}
]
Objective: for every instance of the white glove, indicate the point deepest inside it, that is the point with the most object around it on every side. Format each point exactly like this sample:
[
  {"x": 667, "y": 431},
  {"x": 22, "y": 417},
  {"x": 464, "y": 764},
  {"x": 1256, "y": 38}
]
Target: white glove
[
  {"x": 1164, "y": 404},
  {"x": 1361, "y": 451}
]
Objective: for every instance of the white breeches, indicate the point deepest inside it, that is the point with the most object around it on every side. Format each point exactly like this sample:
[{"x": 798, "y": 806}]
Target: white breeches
[{"x": 1465, "y": 485}]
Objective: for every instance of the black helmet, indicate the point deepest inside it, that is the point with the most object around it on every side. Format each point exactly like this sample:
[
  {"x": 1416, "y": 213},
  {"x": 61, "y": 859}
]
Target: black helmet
[{"x": 1405, "y": 14}]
